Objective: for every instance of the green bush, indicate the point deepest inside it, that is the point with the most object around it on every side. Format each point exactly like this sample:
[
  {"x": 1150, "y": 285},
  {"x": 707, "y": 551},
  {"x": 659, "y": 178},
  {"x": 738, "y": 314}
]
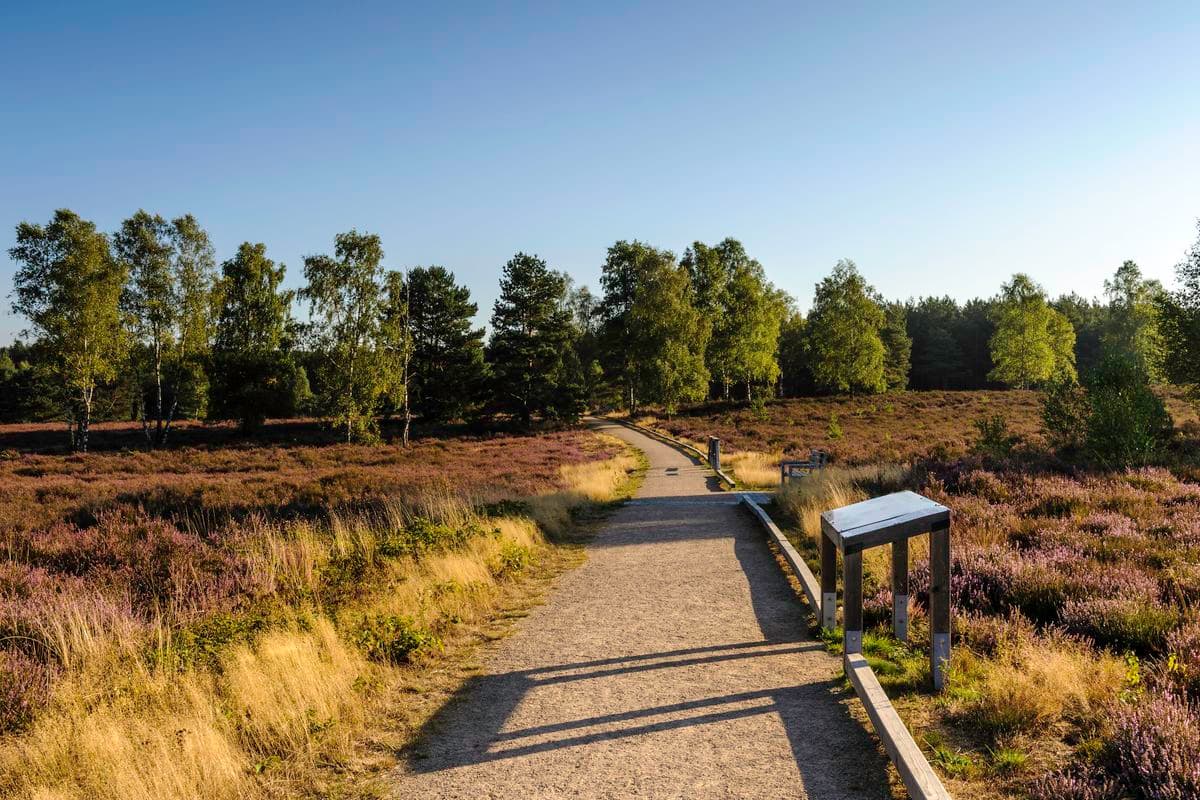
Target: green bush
[
  {"x": 512, "y": 560},
  {"x": 994, "y": 437},
  {"x": 1065, "y": 414},
  {"x": 392, "y": 639},
  {"x": 1127, "y": 424}
]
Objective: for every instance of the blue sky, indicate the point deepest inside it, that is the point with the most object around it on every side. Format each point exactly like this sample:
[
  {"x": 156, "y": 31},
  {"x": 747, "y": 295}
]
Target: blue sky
[{"x": 942, "y": 147}]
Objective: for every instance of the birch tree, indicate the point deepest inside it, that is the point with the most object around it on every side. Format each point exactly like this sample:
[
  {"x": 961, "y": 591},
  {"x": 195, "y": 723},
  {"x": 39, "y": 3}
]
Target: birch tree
[
  {"x": 68, "y": 286},
  {"x": 344, "y": 293}
]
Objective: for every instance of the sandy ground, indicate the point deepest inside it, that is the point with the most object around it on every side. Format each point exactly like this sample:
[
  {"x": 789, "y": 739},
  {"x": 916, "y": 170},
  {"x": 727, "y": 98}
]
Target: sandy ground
[{"x": 674, "y": 663}]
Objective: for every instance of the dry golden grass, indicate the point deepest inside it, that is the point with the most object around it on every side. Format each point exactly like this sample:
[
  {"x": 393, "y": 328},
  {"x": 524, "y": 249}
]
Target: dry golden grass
[
  {"x": 1035, "y": 684},
  {"x": 752, "y": 469},
  {"x": 126, "y": 726}
]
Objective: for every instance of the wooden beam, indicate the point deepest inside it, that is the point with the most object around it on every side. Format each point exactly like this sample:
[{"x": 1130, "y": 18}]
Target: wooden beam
[{"x": 918, "y": 776}]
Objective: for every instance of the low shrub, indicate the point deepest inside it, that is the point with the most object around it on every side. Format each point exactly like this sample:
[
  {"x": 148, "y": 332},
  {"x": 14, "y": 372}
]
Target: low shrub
[
  {"x": 995, "y": 440},
  {"x": 1128, "y": 423},
  {"x": 511, "y": 560},
  {"x": 24, "y": 684},
  {"x": 1157, "y": 745},
  {"x": 1139, "y": 624},
  {"x": 392, "y": 638},
  {"x": 1076, "y": 783}
]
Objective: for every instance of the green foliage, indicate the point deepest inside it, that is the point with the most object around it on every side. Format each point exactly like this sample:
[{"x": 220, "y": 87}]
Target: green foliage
[
  {"x": 1008, "y": 760},
  {"x": 69, "y": 286},
  {"x": 447, "y": 350},
  {"x": 391, "y": 638},
  {"x": 795, "y": 372},
  {"x": 202, "y": 642},
  {"x": 994, "y": 437},
  {"x": 1131, "y": 329},
  {"x": 846, "y": 353},
  {"x": 654, "y": 337},
  {"x": 253, "y": 372},
  {"x": 743, "y": 311},
  {"x": 168, "y": 303},
  {"x": 1065, "y": 412},
  {"x": 1128, "y": 423},
  {"x": 897, "y": 345},
  {"x": 530, "y": 352},
  {"x": 512, "y": 560},
  {"x": 1179, "y": 322},
  {"x": 834, "y": 430},
  {"x": 1033, "y": 344},
  {"x": 344, "y": 292}
]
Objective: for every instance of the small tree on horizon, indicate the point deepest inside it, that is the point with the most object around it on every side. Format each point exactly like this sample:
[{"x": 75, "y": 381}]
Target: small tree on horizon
[
  {"x": 253, "y": 372},
  {"x": 344, "y": 294},
  {"x": 532, "y": 336},
  {"x": 1033, "y": 344},
  {"x": 69, "y": 286},
  {"x": 846, "y": 353}
]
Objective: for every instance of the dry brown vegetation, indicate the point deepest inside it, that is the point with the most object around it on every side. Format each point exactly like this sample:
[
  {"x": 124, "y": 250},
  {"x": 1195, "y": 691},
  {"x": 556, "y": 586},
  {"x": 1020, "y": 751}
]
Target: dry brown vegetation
[
  {"x": 234, "y": 621},
  {"x": 890, "y": 428}
]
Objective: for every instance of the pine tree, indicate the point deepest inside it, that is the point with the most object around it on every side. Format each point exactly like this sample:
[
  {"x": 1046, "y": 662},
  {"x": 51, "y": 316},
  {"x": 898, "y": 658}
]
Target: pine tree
[
  {"x": 447, "y": 361},
  {"x": 532, "y": 339}
]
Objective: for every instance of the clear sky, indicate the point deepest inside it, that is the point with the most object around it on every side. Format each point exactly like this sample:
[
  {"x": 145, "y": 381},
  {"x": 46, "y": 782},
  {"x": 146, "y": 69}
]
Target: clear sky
[{"x": 941, "y": 147}]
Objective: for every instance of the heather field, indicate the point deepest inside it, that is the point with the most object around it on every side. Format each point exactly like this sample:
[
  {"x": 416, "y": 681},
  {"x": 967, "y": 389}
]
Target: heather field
[
  {"x": 891, "y": 428},
  {"x": 1077, "y": 605},
  {"x": 232, "y": 620}
]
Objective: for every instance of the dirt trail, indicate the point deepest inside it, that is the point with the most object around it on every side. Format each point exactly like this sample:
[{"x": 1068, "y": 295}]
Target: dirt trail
[{"x": 675, "y": 662}]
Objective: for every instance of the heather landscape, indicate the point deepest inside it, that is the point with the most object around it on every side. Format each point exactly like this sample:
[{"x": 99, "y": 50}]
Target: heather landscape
[
  {"x": 223, "y": 620},
  {"x": 1076, "y": 591},
  {"x": 448, "y": 402}
]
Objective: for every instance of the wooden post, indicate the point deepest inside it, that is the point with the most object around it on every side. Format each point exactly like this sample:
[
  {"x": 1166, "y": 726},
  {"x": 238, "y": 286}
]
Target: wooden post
[
  {"x": 852, "y": 618},
  {"x": 714, "y": 453},
  {"x": 828, "y": 582},
  {"x": 900, "y": 589},
  {"x": 939, "y": 603}
]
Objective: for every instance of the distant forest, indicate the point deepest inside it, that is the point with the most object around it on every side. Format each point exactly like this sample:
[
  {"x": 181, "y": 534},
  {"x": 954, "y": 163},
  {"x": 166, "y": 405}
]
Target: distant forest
[{"x": 144, "y": 324}]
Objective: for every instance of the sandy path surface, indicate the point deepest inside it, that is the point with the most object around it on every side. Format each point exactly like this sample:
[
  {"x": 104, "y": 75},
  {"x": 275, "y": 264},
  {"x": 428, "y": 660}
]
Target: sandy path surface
[{"x": 675, "y": 662}]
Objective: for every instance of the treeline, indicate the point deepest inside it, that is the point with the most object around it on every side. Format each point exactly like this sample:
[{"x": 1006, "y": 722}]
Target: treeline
[{"x": 144, "y": 324}]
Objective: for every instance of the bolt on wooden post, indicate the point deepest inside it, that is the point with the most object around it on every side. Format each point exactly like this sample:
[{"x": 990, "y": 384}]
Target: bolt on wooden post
[{"x": 892, "y": 519}]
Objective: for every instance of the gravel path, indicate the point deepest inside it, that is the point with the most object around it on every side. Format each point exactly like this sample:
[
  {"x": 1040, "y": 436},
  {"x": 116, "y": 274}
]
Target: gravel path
[{"x": 674, "y": 662}]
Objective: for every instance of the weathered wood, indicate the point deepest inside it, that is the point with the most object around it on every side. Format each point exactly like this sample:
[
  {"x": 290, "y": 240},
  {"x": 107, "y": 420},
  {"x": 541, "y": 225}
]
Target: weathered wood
[
  {"x": 900, "y": 589},
  {"x": 714, "y": 453},
  {"x": 916, "y": 773},
  {"x": 828, "y": 583},
  {"x": 882, "y": 520},
  {"x": 939, "y": 604},
  {"x": 852, "y": 597}
]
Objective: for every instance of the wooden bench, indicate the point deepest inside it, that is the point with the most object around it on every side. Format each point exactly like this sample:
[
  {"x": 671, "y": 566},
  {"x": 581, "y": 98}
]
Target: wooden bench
[{"x": 817, "y": 459}]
